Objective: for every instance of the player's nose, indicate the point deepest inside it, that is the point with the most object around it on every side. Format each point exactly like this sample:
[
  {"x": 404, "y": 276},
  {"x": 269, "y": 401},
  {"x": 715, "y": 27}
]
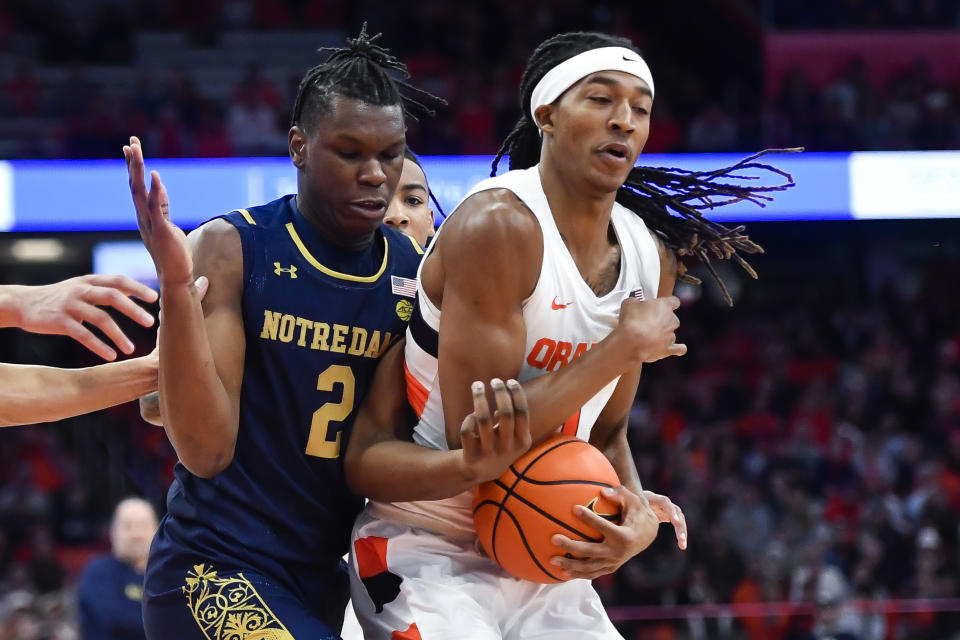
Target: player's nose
[{"x": 621, "y": 119}]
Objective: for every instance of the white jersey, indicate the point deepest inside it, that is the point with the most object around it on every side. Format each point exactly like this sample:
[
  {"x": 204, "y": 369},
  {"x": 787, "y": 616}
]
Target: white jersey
[{"x": 563, "y": 317}]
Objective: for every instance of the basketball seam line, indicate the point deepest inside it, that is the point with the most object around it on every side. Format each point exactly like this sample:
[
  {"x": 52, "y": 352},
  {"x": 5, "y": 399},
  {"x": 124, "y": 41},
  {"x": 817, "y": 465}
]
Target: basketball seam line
[
  {"x": 523, "y": 538},
  {"x": 563, "y": 524}
]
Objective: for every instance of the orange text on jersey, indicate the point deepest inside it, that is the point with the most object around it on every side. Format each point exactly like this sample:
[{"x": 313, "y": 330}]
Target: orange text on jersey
[{"x": 550, "y": 355}]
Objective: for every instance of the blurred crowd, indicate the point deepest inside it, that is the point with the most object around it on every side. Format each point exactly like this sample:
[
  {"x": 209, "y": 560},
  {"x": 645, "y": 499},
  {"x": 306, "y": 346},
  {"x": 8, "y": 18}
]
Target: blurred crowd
[
  {"x": 851, "y": 114},
  {"x": 813, "y": 439},
  {"x": 470, "y": 54},
  {"x": 811, "y": 435},
  {"x": 863, "y": 14}
]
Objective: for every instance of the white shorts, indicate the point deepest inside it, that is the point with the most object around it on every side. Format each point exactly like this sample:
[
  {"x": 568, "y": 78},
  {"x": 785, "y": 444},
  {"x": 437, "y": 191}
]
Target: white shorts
[{"x": 408, "y": 583}]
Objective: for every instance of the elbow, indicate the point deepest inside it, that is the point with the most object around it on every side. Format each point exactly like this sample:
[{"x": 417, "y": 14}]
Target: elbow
[
  {"x": 207, "y": 466},
  {"x": 150, "y": 416},
  {"x": 353, "y": 475},
  {"x": 206, "y": 459}
]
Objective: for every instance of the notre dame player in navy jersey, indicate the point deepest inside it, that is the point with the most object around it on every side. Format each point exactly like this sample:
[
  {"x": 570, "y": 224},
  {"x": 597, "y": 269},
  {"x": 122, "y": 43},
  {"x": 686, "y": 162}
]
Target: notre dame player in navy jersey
[{"x": 258, "y": 386}]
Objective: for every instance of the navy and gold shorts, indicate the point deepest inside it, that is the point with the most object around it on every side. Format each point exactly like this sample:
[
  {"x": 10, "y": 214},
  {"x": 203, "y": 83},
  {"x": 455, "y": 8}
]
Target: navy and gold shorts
[{"x": 214, "y": 604}]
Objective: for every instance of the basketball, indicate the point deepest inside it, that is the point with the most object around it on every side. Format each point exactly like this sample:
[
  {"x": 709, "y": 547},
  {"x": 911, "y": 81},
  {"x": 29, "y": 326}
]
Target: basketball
[{"x": 517, "y": 514}]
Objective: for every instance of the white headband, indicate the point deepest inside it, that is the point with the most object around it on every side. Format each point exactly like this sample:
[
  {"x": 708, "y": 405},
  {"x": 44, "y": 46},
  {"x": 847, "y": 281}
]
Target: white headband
[{"x": 570, "y": 71}]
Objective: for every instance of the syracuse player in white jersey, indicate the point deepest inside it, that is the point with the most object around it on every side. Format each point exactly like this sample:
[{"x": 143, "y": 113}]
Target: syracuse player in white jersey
[
  {"x": 539, "y": 276},
  {"x": 558, "y": 274}
]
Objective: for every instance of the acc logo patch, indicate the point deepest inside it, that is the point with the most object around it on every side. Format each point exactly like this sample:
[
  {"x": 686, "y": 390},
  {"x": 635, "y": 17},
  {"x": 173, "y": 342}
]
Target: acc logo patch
[{"x": 404, "y": 310}]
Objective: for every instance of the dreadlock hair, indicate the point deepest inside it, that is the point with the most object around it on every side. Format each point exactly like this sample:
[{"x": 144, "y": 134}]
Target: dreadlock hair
[
  {"x": 363, "y": 70},
  {"x": 412, "y": 157},
  {"x": 670, "y": 201}
]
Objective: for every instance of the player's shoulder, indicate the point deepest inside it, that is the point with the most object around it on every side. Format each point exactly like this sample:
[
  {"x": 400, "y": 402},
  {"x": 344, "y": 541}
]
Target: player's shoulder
[
  {"x": 265, "y": 216},
  {"x": 494, "y": 217}
]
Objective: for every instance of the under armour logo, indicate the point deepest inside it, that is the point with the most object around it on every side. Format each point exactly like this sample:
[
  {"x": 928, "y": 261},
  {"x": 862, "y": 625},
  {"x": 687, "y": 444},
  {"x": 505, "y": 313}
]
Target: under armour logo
[{"x": 278, "y": 269}]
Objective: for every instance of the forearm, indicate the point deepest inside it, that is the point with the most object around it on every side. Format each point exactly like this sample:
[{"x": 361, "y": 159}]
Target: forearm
[
  {"x": 9, "y": 307},
  {"x": 30, "y": 394},
  {"x": 428, "y": 474},
  {"x": 555, "y": 397},
  {"x": 619, "y": 455},
  {"x": 199, "y": 417}
]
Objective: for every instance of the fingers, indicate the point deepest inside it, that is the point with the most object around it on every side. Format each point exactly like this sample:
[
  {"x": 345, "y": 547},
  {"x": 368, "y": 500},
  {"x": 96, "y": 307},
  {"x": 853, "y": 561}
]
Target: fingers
[
  {"x": 679, "y": 522},
  {"x": 598, "y": 522},
  {"x": 587, "y": 568},
  {"x": 677, "y": 349},
  {"x": 667, "y": 511},
  {"x": 504, "y": 415},
  {"x": 161, "y": 191},
  {"x": 201, "y": 284},
  {"x": 521, "y": 414},
  {"x": 470, "y": 437},
  {"x": 481, "y": 411},
  {"x": 127, "y": 286},
  {"x": 102, "y": 320},
  {"x": 83, "y": 335},
  {"x": 672, "y": 301},
  {"x": 110, "y": 297}
]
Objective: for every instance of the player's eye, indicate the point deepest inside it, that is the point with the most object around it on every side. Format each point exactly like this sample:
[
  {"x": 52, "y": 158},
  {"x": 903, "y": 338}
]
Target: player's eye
[
  {"x": 348, "y": 155},
  {"x": 414, "y": 201},
  {"x": 599, "y": 99},
  {"x": 641, "y": 110}
]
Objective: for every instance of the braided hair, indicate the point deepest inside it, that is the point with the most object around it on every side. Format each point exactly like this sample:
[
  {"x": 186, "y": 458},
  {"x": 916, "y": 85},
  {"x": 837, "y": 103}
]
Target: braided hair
[
  {"x": 670, "y": 201},
  {"x": 363, "y": 70}
]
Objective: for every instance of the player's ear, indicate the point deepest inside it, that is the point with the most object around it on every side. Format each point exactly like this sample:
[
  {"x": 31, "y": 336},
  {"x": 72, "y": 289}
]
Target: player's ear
[
  {"x": 543, "y": 118},
  {"x": 297, "y": 145}
]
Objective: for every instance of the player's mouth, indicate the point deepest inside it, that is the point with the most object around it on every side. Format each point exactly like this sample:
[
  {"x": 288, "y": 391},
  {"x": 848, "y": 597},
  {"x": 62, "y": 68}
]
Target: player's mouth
[
  {"x": 615, "y": 152},
  {"x": 369, "y": 207}
]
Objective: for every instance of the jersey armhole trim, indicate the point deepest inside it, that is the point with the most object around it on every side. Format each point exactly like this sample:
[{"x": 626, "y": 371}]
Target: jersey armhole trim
[{"x": 246, "y": 216}]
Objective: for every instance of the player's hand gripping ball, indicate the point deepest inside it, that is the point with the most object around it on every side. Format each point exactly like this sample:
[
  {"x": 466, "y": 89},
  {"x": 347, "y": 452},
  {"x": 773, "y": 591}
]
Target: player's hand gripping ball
[{"x": 517, "y": 514}]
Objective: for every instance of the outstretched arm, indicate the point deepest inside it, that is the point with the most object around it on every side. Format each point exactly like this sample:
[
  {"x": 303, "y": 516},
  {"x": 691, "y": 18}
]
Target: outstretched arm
[
  {"x": 30, "y": 394},
  {"x": 62, "y": 308},
  {"x": 380, "y": 441},
  {"x": 201, "y": 347}
]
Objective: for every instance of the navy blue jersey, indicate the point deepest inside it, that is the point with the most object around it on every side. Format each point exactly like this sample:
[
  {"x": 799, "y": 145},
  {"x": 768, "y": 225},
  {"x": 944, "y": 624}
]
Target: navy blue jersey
[
  {"x": 316, "y": 320},
  {"x": 108, "y": 600}
]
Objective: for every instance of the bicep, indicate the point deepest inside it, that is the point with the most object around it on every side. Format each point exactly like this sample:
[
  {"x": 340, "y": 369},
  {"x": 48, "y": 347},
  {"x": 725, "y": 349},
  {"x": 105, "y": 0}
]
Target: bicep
[
  {"x": 478, "y": 341},
  {"x": 489, "y": 269}
]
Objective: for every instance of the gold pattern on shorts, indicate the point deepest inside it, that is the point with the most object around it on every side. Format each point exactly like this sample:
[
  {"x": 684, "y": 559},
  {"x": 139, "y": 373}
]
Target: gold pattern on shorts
[{"x": 230, "y": 608}]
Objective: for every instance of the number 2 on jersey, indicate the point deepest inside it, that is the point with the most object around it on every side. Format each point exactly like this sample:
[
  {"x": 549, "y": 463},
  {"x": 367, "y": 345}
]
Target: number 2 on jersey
[{"x": 317, "y": 443}]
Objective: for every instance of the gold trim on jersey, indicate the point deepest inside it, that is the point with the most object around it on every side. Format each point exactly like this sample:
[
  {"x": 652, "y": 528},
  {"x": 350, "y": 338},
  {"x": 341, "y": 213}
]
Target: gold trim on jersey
[
  {"x": 230, "y": 608},
  {"x": 246, "y": 216},
  {"x": 336, "y": 274},
  {"x": 416, "y": 245}
]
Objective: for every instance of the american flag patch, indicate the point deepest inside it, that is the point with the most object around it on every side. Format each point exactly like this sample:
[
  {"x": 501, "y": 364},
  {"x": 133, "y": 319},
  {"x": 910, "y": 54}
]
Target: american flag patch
[
  {"x": 403, "y": 286},
  {"x": 638, "y": 294}
]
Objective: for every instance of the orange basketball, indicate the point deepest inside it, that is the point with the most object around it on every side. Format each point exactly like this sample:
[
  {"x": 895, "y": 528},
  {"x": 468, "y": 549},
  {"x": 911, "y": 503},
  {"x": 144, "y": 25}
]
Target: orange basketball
[{"x": 517, "y": 514}]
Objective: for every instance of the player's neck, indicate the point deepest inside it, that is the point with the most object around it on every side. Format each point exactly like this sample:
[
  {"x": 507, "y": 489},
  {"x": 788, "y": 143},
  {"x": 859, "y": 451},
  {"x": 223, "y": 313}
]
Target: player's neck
[
  {"x": 582, "y": 215},
  {"x": 321, "y": 222}
]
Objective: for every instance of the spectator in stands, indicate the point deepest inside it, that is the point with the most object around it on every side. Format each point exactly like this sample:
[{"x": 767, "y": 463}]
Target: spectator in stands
[{"x": 111, "y": 587}]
